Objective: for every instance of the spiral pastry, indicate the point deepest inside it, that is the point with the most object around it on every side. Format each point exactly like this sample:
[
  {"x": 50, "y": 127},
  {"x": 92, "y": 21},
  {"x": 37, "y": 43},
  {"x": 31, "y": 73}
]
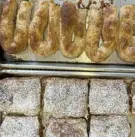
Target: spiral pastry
[
  {"x": 102, "y": 25},
  {"x": 72, "y": 30},
  {"x": 126, "y": 47},
  {"x": 14, "y": 38},
  {"x": 47, "y": 17}
]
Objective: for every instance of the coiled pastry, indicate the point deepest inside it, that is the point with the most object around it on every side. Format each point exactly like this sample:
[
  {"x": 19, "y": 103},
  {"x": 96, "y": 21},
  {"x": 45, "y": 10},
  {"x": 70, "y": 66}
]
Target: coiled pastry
[
  {"x": 126, "y": 47},
  {"x": 47, "y": 17},
  {"x": 102, "y": 25},
  {"x": 73, "y": 23},
  {"x": 13, "y": 37}
]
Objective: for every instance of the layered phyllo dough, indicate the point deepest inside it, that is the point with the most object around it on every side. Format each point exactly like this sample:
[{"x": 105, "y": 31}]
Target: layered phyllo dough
[
  {"x": 66, "y": 107},
  {"x": 65, "y": 97},
  {"x": 66, "y": 128},
  {"x": 20, "y": 95},
  {"x": 13, "y": 126},
  {"x": 108, "y": 97},
  {"x": 109, "y": 126}
]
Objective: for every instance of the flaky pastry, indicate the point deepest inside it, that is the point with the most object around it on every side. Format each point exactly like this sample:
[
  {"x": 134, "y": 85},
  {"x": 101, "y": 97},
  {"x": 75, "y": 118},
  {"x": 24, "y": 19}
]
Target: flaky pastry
[
  {"x": 47, "y": 17},
  {"x": 102, "y": 26},
  {"x": 126, "y": 46},
  {"x": 72, "y": 30},
  {"x": 13, "y": 37}
]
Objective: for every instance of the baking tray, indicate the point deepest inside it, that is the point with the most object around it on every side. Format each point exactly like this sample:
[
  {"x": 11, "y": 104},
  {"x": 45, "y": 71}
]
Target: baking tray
[
  {"x": 56, "y": 63},
  {"x": 28, "y": 55},
  {"x": 131, "y": 118}
]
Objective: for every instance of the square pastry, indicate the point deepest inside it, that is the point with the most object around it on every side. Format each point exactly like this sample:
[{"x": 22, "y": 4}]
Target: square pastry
[
  {"x": 109, "y": 126},
  {"x": 133, "y": 98},
  {"x": 66, "y": 97},
  {"x": 20, "y": 95},
  {"x": 19, "y": 127},
  {"x": 108, "y": 97},
  {"x": 66, "y": 128}
]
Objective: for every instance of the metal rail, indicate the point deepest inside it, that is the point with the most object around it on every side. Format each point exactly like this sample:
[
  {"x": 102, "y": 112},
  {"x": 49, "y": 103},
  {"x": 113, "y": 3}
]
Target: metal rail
[
  {"x": 19, "y": 72},
  {"x": 71, "y": 67}
]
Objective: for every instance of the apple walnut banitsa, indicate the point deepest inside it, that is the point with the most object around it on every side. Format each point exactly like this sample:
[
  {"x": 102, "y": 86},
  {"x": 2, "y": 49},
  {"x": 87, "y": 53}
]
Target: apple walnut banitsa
[
  {"x": 65, "y": 97},
  {"x": 14, "y": 126},
  {"x": 20, "y": 96},
  {"x": 96, "y": 29},
  {"x": 50, "y": 107},
  {"x": 66, "y": 128},
  {"x": 108, "y": 97},
  {"x": 109, "y": 126}
]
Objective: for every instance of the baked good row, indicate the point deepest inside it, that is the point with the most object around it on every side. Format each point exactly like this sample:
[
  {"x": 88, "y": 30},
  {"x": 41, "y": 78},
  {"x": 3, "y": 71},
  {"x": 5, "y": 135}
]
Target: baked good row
[
  {"x": 96, "y": 30},
  {"x": 55, "y": 107},
  {"x": 64, "y": 97},
  {"x": 101, "y": 126}
]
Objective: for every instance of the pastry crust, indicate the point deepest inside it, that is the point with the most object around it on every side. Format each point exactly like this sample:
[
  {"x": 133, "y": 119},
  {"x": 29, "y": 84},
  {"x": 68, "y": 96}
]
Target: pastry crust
[
  {"x": 15, "y": 126},
  {"x": 108, "y": 97},
  {"x": 73, "y": 22},
  {"x": 20, "y": 96},
  {"x": 109, "y": 126},
  {"x": 66, "y": 128},
  {"x": 65, "y": 97},
  {"x": 126, "y": 47},
  {"x": 103, "y": 24},
  {"x": 46, "y": 17},
  {"x": 14, "y": 41}
]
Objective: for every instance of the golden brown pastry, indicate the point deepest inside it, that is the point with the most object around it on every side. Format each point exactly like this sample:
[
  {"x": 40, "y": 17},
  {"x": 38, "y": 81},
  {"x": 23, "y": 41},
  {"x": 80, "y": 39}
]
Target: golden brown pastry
[
  {"x": 47, "y": 17},
  {"x": 102, "y": 25},
  {"x": 72, "y": 30},
  {"x": 13, "y": 37},
  {"x": 126, "y": 47}
]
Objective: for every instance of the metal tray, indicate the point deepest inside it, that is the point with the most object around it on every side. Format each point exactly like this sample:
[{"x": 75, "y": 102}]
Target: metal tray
[
  {"x": 28, "y": 55},
  {"x": 58, "y": 65},
  {"x": 131, "y": 118}
]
